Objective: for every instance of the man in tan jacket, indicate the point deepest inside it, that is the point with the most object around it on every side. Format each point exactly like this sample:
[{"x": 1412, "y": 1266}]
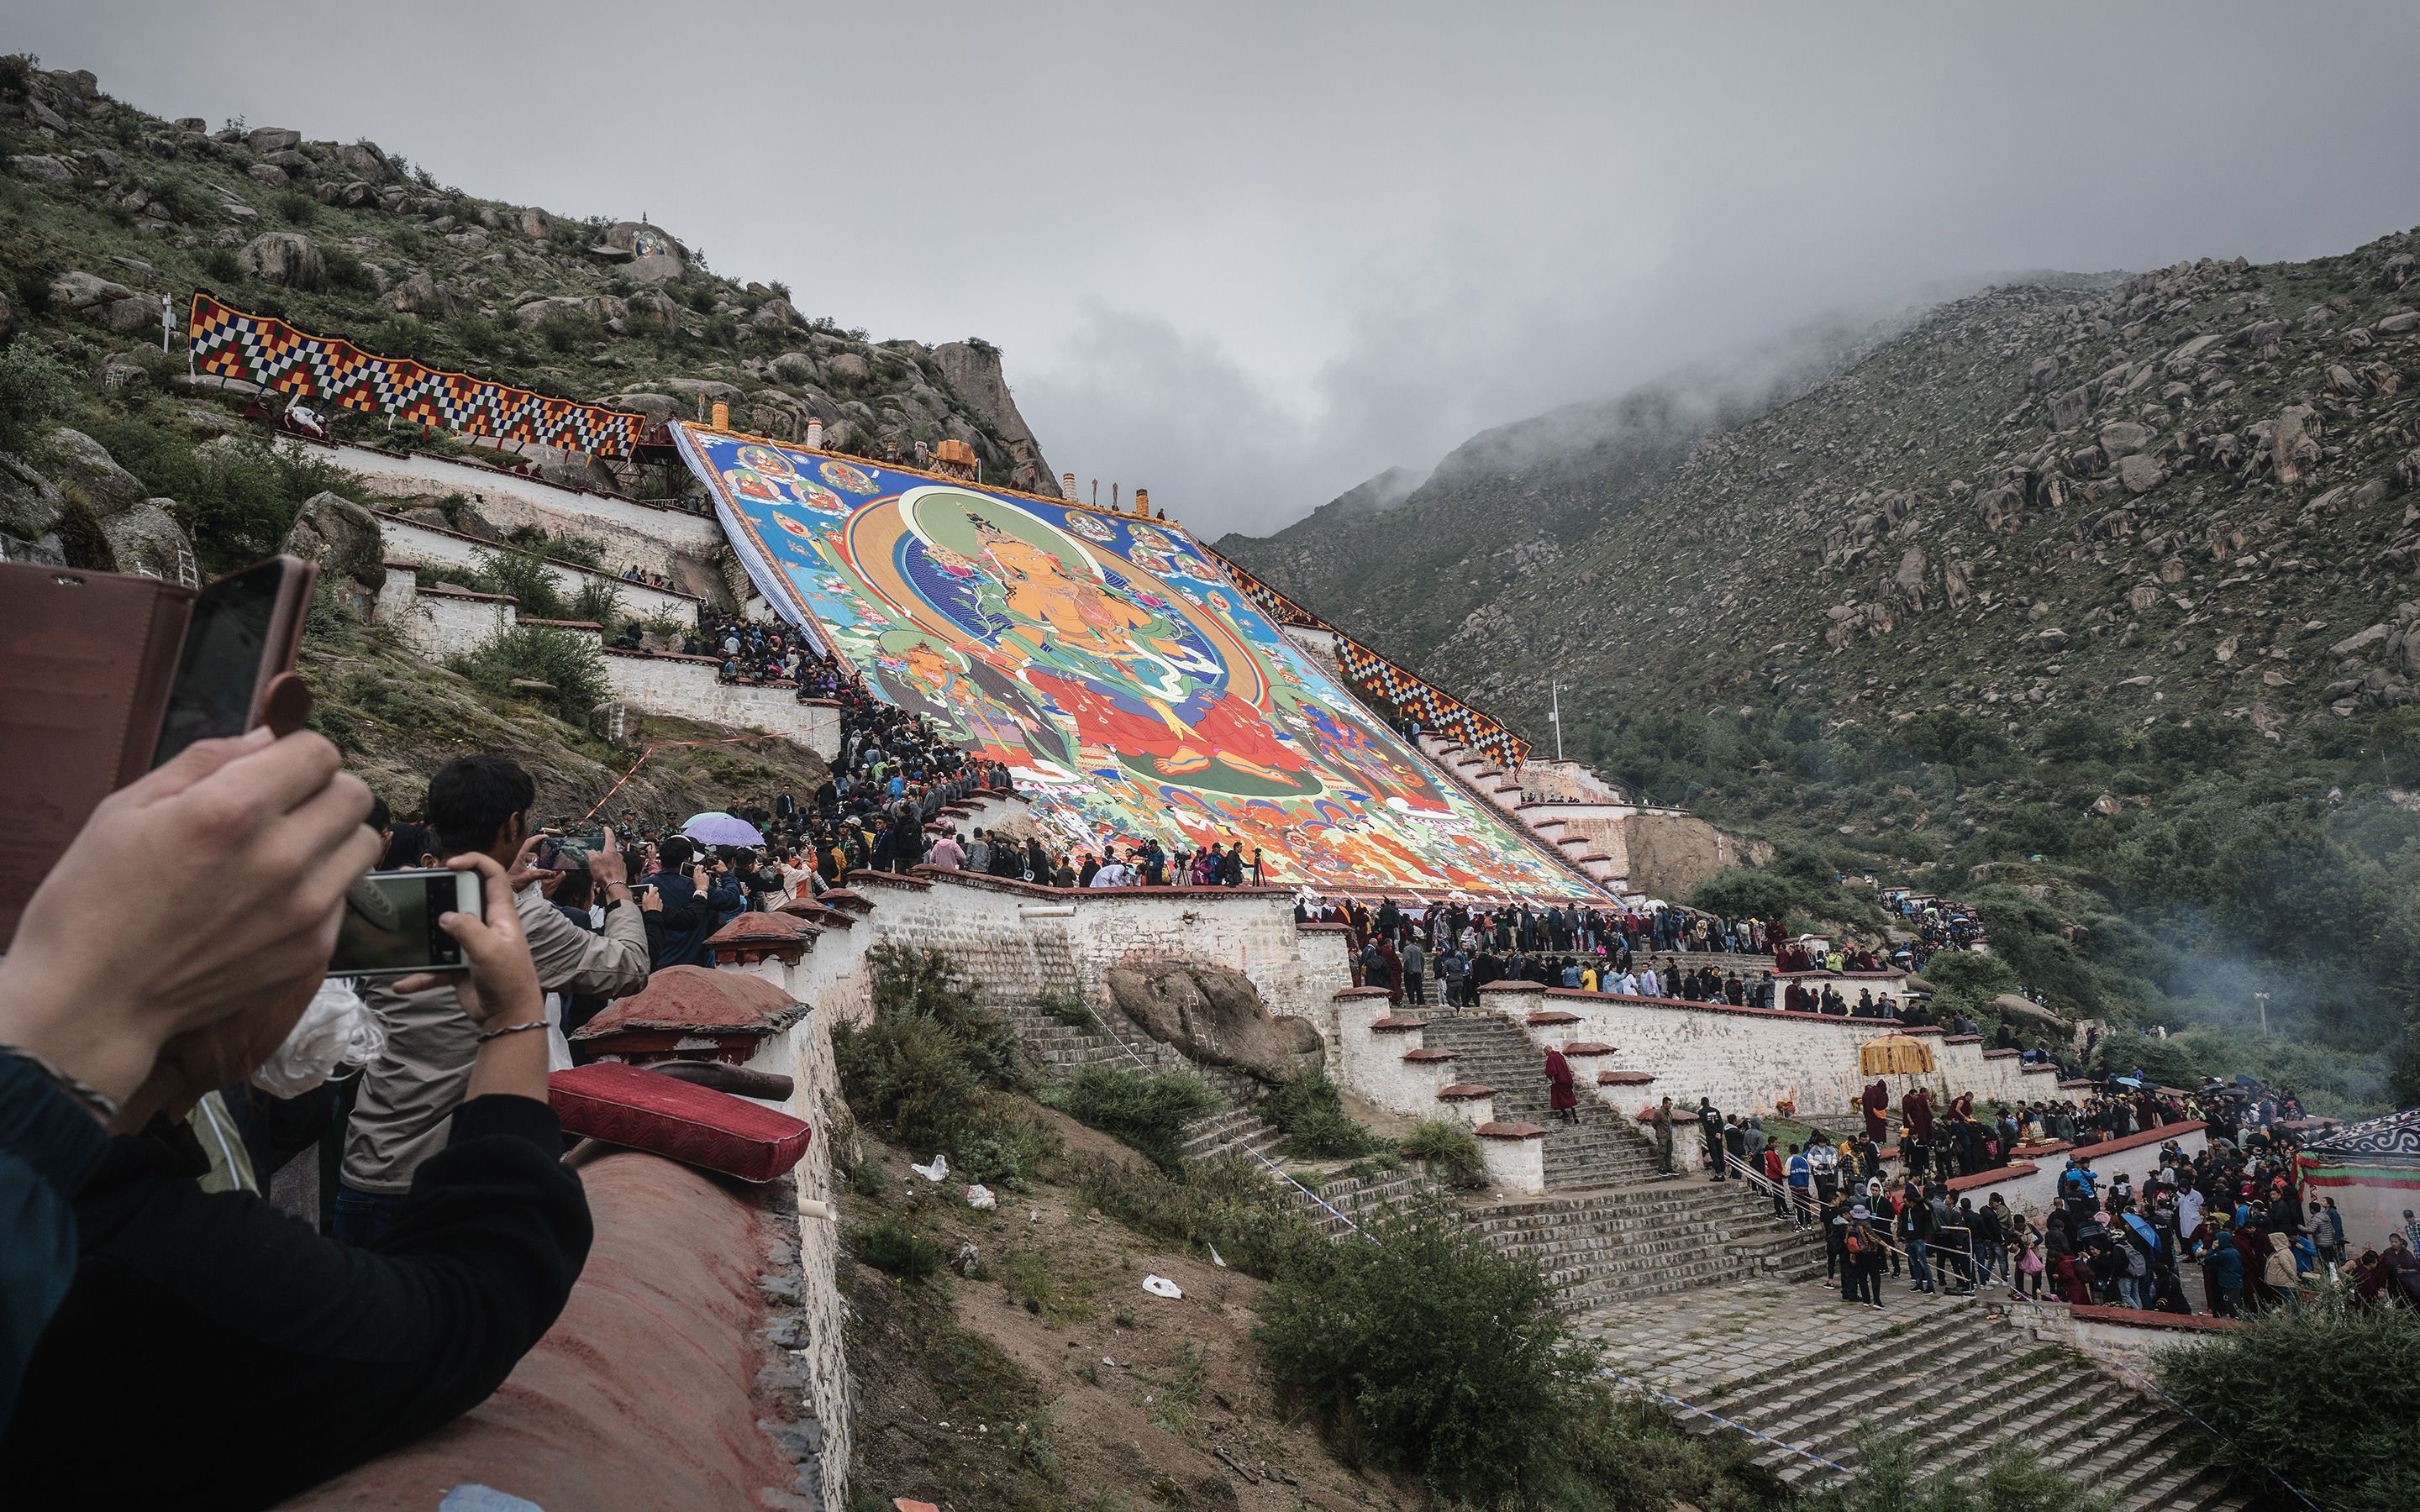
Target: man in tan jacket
[{"x": 476, "y": 804}]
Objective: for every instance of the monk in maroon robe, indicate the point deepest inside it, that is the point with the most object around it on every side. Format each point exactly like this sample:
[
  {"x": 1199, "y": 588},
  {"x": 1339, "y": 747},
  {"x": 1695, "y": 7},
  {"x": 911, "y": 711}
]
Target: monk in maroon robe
[
  {"x": 1916, "y": 1108},
  {"x": 1877, "y": 1105},
  {"x": 1560, "y": 1095}
]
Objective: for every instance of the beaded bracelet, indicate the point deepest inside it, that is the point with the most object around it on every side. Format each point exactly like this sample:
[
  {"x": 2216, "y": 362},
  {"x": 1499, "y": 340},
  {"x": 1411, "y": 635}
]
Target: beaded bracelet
[
  {"x": 511, "y": 1028},
  {"x": 92, "y": 1097}
]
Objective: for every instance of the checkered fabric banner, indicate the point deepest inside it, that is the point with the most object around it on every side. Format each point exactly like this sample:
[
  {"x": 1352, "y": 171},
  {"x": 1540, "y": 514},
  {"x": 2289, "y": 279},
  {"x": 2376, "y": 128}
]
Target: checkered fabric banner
[
  {"x": 1371, "y": 672},
  {"x": 328, "y": 370},
  {"x": 1279, "y": 609}
]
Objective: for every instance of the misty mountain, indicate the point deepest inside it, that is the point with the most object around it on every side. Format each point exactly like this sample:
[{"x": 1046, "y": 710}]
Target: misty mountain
[{"x": 2089, "y": 600}]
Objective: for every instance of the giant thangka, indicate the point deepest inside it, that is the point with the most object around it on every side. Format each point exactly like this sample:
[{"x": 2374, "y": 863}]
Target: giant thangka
[{"x": 1132, "y": 690}]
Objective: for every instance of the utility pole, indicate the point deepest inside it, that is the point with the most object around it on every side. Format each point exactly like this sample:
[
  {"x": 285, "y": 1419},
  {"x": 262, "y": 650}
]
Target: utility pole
[
  {"x": 2263, "y": 999},
  {"x": 1555, "y": 715}
]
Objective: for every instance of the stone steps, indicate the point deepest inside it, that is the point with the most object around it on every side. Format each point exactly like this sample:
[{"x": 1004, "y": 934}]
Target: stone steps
[{"x": 1949, "y": 1378}]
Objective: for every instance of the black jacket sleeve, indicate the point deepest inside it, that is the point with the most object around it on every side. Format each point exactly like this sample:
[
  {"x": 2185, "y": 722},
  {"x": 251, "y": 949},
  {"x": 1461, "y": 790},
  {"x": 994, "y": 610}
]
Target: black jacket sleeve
[{"x": 260, "y": 1358}]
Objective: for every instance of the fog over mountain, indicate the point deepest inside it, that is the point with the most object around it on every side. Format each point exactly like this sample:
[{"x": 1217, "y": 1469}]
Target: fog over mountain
[{"x": 1251, "y": 256}]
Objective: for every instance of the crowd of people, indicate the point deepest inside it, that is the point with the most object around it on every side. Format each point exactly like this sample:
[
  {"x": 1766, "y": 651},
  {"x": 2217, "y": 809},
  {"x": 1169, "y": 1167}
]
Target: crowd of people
[{"x": 2235, "y": 1210}]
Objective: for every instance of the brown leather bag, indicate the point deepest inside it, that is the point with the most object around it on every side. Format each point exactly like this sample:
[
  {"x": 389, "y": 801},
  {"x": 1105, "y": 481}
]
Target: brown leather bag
[{"x": 87, "y": 660}]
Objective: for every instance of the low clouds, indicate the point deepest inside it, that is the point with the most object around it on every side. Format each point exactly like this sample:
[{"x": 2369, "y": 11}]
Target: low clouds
[{"x": 1250, "y": 254}]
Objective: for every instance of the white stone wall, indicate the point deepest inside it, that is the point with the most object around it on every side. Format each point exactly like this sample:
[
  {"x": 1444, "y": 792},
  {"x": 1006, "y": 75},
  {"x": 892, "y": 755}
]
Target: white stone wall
[
  {"x": 1749, "y": 1060},
  {"x": 691, "y": 687},
  {"x": 439, "y": 623},
  {"x": 651, "y": 537},
  {"x": 1515, "y": 1164},
  {"x": 414, "y": 542}
]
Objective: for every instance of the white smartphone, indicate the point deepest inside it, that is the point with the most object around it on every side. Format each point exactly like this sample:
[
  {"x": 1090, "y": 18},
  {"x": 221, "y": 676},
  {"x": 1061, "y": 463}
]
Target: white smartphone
[{"x": 390, "y": 924}]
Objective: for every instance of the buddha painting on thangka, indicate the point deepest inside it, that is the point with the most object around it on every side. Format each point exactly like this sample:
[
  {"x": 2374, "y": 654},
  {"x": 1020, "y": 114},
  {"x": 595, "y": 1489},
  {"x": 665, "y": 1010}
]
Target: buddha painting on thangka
[{"x": 1132, "y": 692}]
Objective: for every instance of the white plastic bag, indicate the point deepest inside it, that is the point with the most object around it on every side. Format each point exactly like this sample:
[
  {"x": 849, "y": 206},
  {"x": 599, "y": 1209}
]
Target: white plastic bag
[
  {"x": 934, "y": 1172},
  {"x": 336, "y": 1029},
  {"x": 1159, "y": 1286},
  {"x": 980, "y": 1195}
]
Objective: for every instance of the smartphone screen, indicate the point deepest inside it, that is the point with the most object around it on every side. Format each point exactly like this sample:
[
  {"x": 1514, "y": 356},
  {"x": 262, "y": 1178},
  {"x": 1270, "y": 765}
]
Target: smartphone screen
[
  {"x": 390, "y": 923},
  {"x": 221, "y": 668}
]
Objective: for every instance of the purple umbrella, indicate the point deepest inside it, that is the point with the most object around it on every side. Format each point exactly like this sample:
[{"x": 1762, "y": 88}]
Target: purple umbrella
[{"x": 720, "y": 829}]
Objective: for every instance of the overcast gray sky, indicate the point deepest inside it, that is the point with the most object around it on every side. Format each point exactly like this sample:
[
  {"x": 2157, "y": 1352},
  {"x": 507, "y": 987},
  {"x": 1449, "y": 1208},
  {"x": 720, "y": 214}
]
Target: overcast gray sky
[{"x": 1247, "y": 255}]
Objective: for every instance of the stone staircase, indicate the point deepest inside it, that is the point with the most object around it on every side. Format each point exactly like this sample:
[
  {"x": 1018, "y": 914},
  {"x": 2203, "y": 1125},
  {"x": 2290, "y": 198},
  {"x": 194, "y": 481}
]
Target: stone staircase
[
  {"x": 1598, "y": 1152},
  {"x": 1608, "y": 1225},
  {"x": 1628, "y": 1242},
  {"x": 1957, "y": 1377}
]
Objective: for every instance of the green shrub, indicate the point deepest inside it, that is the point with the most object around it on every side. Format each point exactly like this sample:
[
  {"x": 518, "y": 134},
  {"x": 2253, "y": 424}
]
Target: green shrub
[
  {"x": 1146, "y": 1111},
  {"x": 598, "y": 602},
  {"x": 297, "y": 209},
  {"x": 2325, "y": 1394},
  {"x": 1066, "y": 1007},
  {"x": 1430, "y": 1354},
  {"x": 1233, "y": 1206},
  {"x": 569, "y": 665},
  {"x": 1450, "y": 1150},
  {"x": 237, "y": 503},
  {"x": 35, "y": 389},
  {"x": 937, "y": 1070},
  {"x": 892, "y": 1247},
  {"x": 1312, "y": 1114},
  {"x": 526, "y": 580}
]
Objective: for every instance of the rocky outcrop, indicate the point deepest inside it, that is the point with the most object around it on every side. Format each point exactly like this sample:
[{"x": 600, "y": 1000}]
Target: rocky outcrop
[
  {"x": 342, "y": 537},
  {"x": 283, "y": 257},
  {"x": 972, "y": 371},
  {"x": 1214, "y": 1014}
]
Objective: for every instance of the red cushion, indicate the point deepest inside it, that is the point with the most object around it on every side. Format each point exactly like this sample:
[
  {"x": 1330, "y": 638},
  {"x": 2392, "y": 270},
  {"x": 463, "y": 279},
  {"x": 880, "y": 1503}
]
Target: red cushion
[{"x": 679, "y": 1120}]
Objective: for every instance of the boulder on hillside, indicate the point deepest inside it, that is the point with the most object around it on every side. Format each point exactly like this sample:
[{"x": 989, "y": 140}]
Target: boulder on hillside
[
  {"x": 147, "y": 539},
  {"x": 657, "y": 408},
  {"x": 82, "y": 291},
  {"x": 268, "y": 139},
  {"x": 650, "y": 255},
  {"x": 83, "y": 465},
  {"x": 421, "y": 295},
  {"x": 136, "y": 312},
  {"x": 2140, "y": 473},
  {"x": 2124, "y": 438},
  {"x": 283, "y": 257},
  {"x": 2009, "y": 1005},
  {"x": 342, "y": 537},
  {"x": 1212, "y": 1013},
  {"x": 29, "y": 502},
  {"x": 41, "y": 165},
  {"x": 363, "y": 159}
]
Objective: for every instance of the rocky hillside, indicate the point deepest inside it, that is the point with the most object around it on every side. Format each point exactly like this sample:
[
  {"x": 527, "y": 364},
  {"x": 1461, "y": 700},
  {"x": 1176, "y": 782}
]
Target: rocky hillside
[
  {"x": 2183, "y": 492},
  {"x": 2096, "y": 591},
  {"x": 105, "y": 209}
]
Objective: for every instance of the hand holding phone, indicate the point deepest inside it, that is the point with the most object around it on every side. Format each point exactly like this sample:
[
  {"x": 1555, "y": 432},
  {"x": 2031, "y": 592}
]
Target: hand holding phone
[
  {"x": 605, "y": 862},
  {"x": 391, "y": 923},
  {"x": 500, "y": 984},
  {"x": 241, "y": 641}
]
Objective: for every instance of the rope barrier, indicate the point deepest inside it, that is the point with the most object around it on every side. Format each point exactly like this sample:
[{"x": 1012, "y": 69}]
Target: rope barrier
[
  {"x": 650, "y": 750},
  {"x": 1713, "y": 1416},
  {"x": 1282, "y": 1174}
]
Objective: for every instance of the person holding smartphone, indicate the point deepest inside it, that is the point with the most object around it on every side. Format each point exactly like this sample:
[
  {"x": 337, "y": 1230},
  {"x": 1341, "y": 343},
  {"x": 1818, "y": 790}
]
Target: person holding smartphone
[
  {"x": 218, "y": 1322},
  {"x": 478, "y": 804}
]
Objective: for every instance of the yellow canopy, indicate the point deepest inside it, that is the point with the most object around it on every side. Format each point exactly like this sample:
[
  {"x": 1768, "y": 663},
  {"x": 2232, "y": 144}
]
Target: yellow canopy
[{"x": 1895, "y": 1055}]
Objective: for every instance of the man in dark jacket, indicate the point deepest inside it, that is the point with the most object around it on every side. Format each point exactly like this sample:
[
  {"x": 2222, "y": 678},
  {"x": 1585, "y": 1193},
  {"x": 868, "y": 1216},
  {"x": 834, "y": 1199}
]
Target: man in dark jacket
[
  {"x": 1710, "y": 1128},
  {"x": 688, "y": 917}
]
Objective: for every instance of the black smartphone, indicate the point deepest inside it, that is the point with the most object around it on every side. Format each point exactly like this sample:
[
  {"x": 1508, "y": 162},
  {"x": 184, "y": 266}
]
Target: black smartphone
[
  {"x": 243, "y": 633},
  {"x": 390, "y": 924}
]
